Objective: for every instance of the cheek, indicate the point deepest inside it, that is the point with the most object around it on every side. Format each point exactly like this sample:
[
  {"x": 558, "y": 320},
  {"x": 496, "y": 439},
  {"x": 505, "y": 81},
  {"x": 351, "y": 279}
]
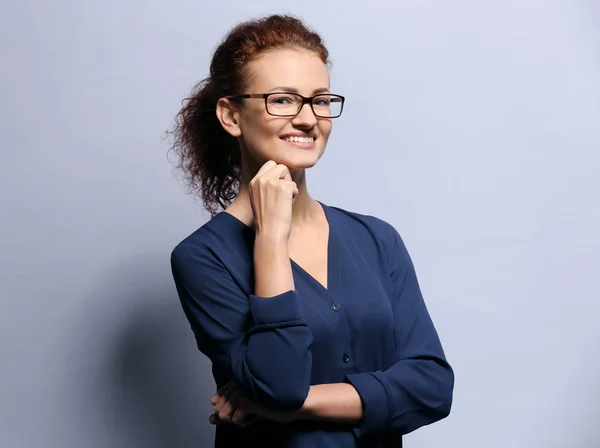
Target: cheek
[
  {"x": 267, "y": 132},
  {"x": 258, "y": 125},
  {"x": 325, "y": 128},
  {"x": 259, "y": 137}
]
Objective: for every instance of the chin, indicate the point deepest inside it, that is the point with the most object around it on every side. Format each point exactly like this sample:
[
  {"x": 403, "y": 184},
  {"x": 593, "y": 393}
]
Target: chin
[
  {"x": 299, "y": 167},
  {"x": 293, "y": 158},
  {"x": 299, "y": 161}
]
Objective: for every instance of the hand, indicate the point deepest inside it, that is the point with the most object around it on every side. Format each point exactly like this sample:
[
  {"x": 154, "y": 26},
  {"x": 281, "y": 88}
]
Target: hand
[
  {"x": 272, "y": 193},
  {"x": 246, "y": 422},
  {"x": 232, "y": 407}
]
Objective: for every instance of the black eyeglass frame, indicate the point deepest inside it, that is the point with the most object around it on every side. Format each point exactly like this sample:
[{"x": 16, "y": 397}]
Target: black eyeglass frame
[{"x": 305, "y": 100}]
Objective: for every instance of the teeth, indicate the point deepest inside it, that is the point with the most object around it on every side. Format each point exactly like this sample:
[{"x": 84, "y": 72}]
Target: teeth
[{"x": 300, "y": 139}]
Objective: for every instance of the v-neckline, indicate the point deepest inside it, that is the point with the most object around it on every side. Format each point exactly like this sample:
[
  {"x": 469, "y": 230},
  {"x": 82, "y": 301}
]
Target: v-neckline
[
  {"x": 328, "y": 266},
  {"x": 299, "y": 268}
]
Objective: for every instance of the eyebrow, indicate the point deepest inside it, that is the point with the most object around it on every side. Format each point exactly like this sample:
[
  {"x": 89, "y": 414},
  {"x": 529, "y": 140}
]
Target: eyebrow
[{"x": 294, "y": 90}]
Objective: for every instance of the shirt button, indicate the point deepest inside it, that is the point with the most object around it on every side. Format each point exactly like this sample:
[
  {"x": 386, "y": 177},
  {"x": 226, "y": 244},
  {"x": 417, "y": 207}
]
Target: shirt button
[
  {"x": 335, "y": 307},
  {"x": 346, "y": 358}
]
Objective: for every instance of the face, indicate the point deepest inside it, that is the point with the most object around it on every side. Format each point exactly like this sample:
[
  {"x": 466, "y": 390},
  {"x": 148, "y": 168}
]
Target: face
[{"x": 266, "y": 137}]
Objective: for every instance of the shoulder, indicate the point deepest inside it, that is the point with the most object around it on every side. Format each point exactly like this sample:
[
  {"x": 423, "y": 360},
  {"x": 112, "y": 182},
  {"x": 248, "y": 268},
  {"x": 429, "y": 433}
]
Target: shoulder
[
  {"x": 192, "y": 250},
  {"x": 381, "y": 232},
  {"x": 213, "y": 240},
  {"x": 354, "y": 221}
]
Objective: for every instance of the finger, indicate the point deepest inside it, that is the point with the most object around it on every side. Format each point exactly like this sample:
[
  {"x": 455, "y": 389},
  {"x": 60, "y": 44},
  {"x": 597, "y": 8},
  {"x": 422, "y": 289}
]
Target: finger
[
  {"x": 232, "y": 394},
  {"x": 235, "y": 400},
  {"x": 266, "y": 167},
  {"x": 215, "y": 398},
  {"x": 285, "y": 174},
  {"x": 215, "y": 420},
  {"x": 220, "y": 403},
  {"x": 278, "y": 171},
  {"x": 220, "y": 397},
  {"x": 228, "y": 402},
  {"x": 226, "y": 411}
]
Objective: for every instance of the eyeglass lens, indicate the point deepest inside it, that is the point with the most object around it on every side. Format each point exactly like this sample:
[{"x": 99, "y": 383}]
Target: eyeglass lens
[{"x": 289, "y": 104}]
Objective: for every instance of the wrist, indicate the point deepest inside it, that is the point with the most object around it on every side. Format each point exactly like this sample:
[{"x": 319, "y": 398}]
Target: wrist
[{"x": 272, "y": 237}]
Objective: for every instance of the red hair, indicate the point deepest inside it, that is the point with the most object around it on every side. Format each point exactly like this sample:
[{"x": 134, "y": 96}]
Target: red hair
[{"x": 208, "y": 155}]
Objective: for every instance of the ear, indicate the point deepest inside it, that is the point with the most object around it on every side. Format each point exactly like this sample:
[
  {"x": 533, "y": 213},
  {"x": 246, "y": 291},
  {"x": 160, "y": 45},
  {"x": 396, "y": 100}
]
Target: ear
[{"x": 228, "y": 115}]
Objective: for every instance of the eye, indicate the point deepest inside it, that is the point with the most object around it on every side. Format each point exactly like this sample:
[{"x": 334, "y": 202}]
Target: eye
[
  {"x": 281, "y": 99},
  {"x": 323, "y": 102}
]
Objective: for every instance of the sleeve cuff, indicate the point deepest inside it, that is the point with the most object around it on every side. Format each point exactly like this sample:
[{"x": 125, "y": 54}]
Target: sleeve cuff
[
  {"x": 281, "y": 310},
  {"x": 376, "y": 405}
]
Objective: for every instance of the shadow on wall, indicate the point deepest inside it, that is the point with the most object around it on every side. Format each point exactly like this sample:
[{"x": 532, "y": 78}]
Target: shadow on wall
[{"x": 152, "y": 386}]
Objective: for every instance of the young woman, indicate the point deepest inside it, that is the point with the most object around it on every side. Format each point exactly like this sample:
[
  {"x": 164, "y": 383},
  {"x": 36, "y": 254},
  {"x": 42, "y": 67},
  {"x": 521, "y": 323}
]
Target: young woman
[{"x": 311, "y": 315}]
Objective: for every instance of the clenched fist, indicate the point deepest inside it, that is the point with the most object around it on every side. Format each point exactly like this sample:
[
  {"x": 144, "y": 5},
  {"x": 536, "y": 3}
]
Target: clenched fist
[{"x": 272, "y": 193}]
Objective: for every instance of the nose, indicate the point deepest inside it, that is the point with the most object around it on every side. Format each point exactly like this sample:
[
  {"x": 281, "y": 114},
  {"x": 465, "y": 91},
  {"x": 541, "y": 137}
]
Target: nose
[{"x": 305, "y": 117}]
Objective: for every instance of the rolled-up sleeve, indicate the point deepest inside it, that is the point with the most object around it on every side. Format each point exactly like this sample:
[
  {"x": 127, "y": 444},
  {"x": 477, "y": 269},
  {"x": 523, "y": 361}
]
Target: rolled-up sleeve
[
  {"x": 418, "y": 389},
  {"x": 262, "y": 344}
]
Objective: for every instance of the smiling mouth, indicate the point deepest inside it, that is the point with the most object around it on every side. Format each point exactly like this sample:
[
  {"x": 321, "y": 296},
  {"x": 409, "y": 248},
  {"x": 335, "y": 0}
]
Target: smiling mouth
[{"x": 296, "y": 139}]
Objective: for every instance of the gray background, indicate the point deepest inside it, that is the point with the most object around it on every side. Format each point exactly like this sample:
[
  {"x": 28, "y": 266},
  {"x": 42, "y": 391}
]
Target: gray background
[{"x": 473, "y": 127}]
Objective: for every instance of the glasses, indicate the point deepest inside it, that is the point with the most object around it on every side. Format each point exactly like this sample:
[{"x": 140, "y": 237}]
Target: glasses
[{"x": 284, "y": 104}]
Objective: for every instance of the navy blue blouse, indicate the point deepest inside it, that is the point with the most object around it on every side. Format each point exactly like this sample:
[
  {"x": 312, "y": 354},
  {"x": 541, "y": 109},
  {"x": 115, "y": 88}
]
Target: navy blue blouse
[{"x": 370, "y": 328}]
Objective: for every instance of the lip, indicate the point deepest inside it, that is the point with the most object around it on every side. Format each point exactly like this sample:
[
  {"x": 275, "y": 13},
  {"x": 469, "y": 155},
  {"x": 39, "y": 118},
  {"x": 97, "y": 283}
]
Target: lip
[{"x": 301, "y": 145}]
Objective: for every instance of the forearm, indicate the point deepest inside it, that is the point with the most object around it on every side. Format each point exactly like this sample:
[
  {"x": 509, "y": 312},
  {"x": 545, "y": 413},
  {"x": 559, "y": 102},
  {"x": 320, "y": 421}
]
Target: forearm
[
  {"x": 338, "y": 402},
  {"x": 272, "y": 266}
]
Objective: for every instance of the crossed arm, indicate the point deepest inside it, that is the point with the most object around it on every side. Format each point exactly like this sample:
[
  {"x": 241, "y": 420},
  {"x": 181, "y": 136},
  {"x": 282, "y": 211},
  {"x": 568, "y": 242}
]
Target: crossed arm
[
  {"x": 415, "y": 391},
  {"x": 334, "y": 402}
]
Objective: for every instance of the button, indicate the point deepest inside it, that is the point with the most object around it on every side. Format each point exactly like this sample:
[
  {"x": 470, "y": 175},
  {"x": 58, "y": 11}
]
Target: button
[
  {"x": 346, "y": 358},
  {"x": 335, "y": 307}
]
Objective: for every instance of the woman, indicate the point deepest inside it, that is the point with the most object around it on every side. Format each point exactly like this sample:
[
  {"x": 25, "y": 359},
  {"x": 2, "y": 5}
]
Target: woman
[{"x": 311, "y": 315}]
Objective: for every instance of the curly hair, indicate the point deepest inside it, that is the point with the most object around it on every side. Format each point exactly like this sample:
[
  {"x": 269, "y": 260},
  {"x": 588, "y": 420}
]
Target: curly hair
[{"x": 208, "y": 156}]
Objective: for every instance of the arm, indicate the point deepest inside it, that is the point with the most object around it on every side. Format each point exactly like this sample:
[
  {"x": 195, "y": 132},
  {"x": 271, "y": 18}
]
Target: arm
[
  {"x": 332, "y": 402},
  {"x": 272, "y": 267},
  {"x": 417, "y": 390},
  {"x": 337, "y": 402},
  {"x": 245, "y": 335}
]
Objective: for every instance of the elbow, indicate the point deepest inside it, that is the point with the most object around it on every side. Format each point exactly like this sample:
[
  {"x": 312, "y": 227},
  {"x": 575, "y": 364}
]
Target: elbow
[
  {"x": 288, "y": 397},
  {"x": 281, "y": 390},
  {"x": 445, "y": 393},
  {"x": 446, "y": 405},
  {"x": 443, "y": 410},
  {"x": 293, "y": 402},
  {"x": 289, "y": 388},
  {"x": 436, "y": 401}
]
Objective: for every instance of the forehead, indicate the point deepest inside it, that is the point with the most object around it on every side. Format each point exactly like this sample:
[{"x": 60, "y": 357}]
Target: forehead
[{"x": 300, "y": 69}]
